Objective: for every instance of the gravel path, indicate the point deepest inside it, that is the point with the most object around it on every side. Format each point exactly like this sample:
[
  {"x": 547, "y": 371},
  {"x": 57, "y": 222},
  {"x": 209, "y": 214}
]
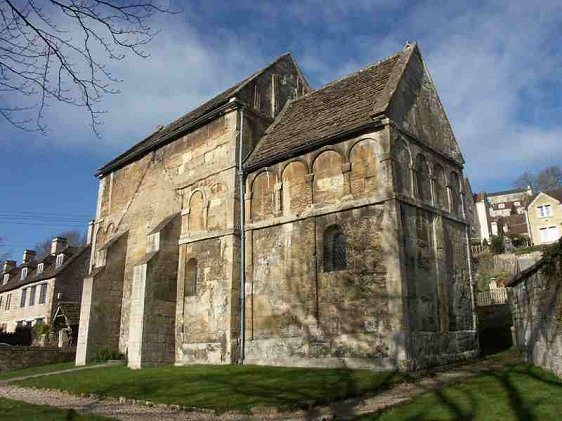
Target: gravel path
[{"x": 127, "y": 409}]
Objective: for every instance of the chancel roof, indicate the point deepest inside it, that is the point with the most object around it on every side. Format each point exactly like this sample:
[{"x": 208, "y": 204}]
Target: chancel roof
[{"x": 330, "y": 111}]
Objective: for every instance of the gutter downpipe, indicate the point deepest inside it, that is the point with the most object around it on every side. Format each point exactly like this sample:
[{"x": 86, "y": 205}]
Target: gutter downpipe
[{"x": 241, "y": 180}]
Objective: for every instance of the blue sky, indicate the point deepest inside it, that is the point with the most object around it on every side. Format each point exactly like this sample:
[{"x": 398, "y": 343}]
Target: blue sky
[{"x": 497, "y": 66}]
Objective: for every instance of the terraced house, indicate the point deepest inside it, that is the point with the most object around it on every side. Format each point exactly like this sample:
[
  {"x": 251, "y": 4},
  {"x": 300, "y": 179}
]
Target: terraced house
[
  {"x": 277, "y": 224},
  {"x": 36, "y": 290}
]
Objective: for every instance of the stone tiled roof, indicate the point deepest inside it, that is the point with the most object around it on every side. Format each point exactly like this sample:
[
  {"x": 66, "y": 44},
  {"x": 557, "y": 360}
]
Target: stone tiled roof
[
  {"x": 49, "y": 269},
  {"x": 172, "y": 130},
  {"x": 330, "y": 111}
]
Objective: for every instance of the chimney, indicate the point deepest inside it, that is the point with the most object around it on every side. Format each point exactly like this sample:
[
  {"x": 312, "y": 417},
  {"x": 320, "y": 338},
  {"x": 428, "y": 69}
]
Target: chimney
[
  {"x": 90, "y": 233},
  {"x": 28, "y": 256},
  {"x": 8, "y": 265},
  {"x": 57, "y": 245}
]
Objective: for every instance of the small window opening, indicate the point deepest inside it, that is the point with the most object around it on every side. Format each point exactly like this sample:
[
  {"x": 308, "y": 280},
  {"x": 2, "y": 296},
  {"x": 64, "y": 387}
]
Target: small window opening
[
  {"x": 191, "y": 274},
  {"x": 334, "y": 249}
]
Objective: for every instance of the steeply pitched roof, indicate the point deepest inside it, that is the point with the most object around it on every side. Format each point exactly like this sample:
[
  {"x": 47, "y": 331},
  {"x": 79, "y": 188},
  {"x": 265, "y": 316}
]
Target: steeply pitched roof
[
  {"x": 556, "y": 193},
  {"x": 334, "y": 109},
  {"x": 174, "y": 129},
  {"x": 70, "y": 311}
]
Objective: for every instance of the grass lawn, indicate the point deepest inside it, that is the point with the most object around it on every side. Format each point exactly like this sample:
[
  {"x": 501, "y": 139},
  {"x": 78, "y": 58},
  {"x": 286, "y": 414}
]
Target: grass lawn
[
  {"x": 517, "y": 392},
  {"x": 16, "y": 410},
  {"x": 4, "y": 375},
  {"x": 224, "y": 388}
]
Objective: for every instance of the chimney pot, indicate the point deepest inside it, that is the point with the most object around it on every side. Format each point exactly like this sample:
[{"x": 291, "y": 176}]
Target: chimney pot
[
  {"x": 57, "y": 245},
  {"x": 8, "y": 265},
  {"x": 28, "y": 256}
]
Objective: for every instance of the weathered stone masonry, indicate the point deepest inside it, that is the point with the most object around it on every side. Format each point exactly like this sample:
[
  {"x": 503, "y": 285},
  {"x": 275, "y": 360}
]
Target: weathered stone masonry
[{"x": 356, "y": 242}]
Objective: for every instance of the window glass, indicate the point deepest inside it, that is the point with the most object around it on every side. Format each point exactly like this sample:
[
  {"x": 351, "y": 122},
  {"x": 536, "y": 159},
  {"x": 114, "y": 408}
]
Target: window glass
[
  {"x": 43, "y": 294},
  {"x": 23, "y": 297},
  {"x": 32, "y": 295},
  {"x": 334, "y": 249}
]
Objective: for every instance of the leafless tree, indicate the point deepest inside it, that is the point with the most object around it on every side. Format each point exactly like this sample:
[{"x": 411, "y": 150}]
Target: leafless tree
[
  {"x": 74, "y": 238},
  {"x": 57, "y": 50},
  {"x": 548, "y": 179},
  {"x": 3, "y": 255}
]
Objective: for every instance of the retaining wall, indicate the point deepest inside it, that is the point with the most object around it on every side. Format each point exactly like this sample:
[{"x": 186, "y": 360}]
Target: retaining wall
[{"x": 16, "y": 357}]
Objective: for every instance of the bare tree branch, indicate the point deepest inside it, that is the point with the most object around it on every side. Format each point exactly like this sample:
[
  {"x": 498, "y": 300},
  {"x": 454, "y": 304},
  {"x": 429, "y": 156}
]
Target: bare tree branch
[{"x": 54, "y": 50}]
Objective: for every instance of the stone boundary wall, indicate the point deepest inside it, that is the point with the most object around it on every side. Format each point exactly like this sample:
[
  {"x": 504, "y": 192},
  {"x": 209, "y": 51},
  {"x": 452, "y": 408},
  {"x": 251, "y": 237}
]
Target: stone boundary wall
[
  {"x": 536, "y": 304},
  {"x": 16, "y": 357}
]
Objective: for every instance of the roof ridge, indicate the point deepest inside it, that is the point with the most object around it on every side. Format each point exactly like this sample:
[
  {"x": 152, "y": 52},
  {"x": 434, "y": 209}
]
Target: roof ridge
[
  {"x": 236, "y": 88},
  {"x": 363, "y": 69},
  {"x": 408, "y": 48},
  {"x": 156, "y": 137}
]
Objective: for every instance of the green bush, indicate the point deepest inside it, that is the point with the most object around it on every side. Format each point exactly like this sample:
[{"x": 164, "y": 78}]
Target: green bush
[
  {"x": 552, "y": 258},
  {"x": 497, "y": 246},
  {"x": 41, "y": 329},
  {"x": 105, "y": 354}
]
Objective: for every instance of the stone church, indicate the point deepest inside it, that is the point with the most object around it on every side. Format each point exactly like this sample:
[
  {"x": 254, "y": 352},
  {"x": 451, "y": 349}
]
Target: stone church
[{"x": 277, "y": 224}]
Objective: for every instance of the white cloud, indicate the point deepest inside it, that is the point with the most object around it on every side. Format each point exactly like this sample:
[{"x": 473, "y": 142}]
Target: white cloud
[
  {"x": 490, "y": 62},
  {"x": 181, "y": 73}
]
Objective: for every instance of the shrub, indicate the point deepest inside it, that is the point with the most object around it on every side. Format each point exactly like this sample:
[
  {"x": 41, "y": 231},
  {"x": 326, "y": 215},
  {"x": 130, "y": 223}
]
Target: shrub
[
  {"x": 497, "y": 246},
  {"x": 552, "y": 258},
  {"x": 41, "y": 329},
  {"x": 104, "y": 354}
]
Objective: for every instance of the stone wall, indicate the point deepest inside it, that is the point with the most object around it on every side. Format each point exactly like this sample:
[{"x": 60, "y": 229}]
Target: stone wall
[
  {"x": 14, "y": 358},
  {"x": 535, "y": 296},
  {"x": 299, "y": 309}
]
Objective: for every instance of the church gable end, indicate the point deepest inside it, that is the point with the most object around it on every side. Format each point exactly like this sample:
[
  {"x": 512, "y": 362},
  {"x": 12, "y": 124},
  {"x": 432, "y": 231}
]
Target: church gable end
[{"x": 416, "y": 108}]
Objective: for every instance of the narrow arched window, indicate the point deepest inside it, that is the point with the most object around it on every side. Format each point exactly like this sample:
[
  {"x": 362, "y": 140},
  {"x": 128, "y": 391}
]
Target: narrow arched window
[
  {"x": 440, "y": 186},
  {"x": 334, "y": 249},
  {"x": 191, "y": 275},
  {"x": 456, "y": 204},
  {"x": 422, "y": 178}
]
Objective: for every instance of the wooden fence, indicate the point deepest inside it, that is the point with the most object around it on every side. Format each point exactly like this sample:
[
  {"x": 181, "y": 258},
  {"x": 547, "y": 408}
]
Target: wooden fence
[{"x": 492, "y": 297}]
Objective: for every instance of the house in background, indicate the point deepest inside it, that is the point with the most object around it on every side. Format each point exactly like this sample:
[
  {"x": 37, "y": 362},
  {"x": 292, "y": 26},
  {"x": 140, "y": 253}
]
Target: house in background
[
  {"x": 545, "y": 216},
  {"x": 32, "y": 292},
  {"x": 503, "y": 213}
]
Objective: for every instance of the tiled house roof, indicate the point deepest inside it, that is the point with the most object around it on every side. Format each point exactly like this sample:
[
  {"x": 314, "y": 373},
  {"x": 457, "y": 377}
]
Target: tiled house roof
[
  {"x": 173, "y": 130},
  {"x": 337, "y": 108},
  {"x": 556, "y": 194},
  {"x": 49, "y": 271}
]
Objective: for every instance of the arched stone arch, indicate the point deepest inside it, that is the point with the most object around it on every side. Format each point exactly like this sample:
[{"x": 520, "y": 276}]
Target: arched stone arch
[
  {"x": 328, "y": 177},
  {"x": 296, "y": 189},
  {"x": 403, "y": 163},
  {"x": 362, "y": 157},
  {"x": 196, "y": 212},
  {"x": 216, "y": 214},
  {"x": 440, "y": 186},
  {"x": 423, "y": 186},
  {"x": 109, "y": 230},
  {"x": 100, "y": 237},
  {"x": 263, "y": 196}
]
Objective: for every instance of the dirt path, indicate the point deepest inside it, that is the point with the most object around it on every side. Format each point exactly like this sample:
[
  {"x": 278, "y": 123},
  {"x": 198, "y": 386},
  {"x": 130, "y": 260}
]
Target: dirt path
[{"x": 126, "y": 409}]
